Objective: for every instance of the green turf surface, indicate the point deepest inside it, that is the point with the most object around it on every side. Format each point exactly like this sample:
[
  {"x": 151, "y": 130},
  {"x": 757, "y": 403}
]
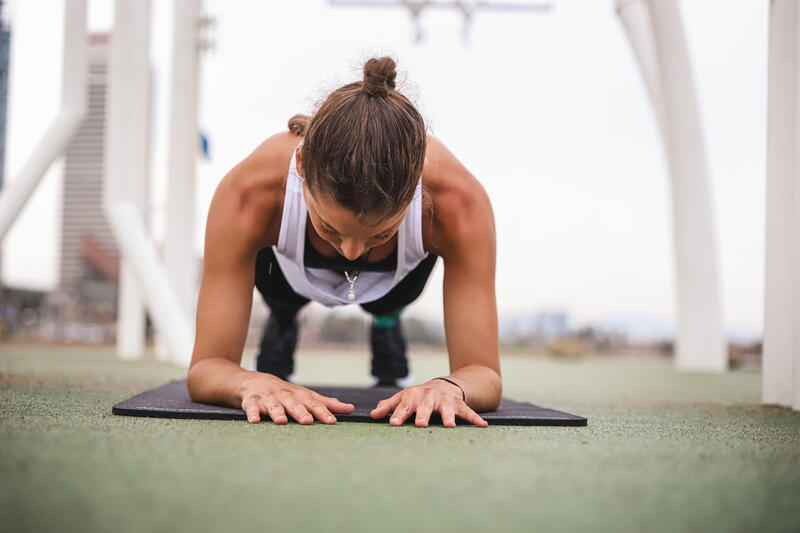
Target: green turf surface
[{"x": 663, "y": 451}]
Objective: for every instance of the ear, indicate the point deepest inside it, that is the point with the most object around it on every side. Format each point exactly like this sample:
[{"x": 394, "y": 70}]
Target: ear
[{"x": 299, "y": 161}]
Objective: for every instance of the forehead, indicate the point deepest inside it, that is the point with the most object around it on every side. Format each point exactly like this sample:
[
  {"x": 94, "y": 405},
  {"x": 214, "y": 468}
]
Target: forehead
[{"x": 346, "y": 222}]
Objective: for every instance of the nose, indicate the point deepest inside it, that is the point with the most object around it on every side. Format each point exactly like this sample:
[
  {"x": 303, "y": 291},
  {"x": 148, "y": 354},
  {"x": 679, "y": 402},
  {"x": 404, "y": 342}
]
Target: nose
[{"x": 352, "y": 249}]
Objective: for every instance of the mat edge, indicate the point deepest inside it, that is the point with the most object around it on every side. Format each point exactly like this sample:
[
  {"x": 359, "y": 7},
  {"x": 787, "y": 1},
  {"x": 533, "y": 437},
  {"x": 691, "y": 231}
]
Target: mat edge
[{"x": 180, "y": 415}]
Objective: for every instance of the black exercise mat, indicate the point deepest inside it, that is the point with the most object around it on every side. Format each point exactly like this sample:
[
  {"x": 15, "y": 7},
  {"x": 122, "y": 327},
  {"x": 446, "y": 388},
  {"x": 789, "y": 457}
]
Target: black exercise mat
[{"x": 172, "y": 401}]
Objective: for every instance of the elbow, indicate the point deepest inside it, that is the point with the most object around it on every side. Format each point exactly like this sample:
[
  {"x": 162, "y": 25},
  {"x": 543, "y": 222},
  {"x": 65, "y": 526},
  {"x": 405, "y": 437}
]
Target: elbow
[
  {"x": 193, "y": 381},
  {"x": 495, "y": 390},
  {"x": 496, "y": 395}
]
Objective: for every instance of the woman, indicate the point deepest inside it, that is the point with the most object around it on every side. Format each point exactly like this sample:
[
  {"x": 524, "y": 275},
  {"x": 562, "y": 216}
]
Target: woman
[{"x": 351, "y": 206}]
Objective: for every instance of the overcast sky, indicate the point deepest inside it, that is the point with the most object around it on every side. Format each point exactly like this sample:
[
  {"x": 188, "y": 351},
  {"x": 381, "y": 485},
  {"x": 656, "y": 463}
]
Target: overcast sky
[{"x": 548, "y": 111}]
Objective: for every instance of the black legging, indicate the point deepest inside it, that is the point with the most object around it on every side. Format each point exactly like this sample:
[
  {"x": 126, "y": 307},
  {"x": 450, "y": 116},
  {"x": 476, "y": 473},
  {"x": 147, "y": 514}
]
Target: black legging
[{"x": 285, "y": 302}]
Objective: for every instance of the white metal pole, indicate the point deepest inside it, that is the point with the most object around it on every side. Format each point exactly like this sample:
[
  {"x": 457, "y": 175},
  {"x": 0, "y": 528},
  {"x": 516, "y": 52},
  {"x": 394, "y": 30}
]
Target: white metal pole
[
  {"x": 781, "y": 361},
  {"x": 179, "y": 255},
  {"x": 635, "y": 18},
  {"x": 152, "y": 281},
  {"x": 18, "y": 191},
  {"x": 128, "y": 149},
  {"x": 700, "y": 342},
  {"x": 127, "y": 157},
  {"x": 131, "y": 324}
]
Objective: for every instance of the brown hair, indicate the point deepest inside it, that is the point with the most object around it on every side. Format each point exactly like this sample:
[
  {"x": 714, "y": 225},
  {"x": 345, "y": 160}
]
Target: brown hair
[{"x": 365, "y": 145}]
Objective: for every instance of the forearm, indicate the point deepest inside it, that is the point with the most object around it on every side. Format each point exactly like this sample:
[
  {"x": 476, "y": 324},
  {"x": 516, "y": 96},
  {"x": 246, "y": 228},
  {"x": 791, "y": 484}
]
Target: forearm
[
  {"x": 217, "y": 381},
  {"x": 482, "y": 386}
]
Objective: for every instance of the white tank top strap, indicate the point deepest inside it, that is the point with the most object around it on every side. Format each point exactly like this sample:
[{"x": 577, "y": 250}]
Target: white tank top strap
[{"x": 327, "y": 286}]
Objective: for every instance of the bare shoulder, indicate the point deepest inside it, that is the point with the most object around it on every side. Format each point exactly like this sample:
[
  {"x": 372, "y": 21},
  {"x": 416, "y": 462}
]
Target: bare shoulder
[
  {"x": 459, "y": 212},
  {"x": 248, "y": 202}
]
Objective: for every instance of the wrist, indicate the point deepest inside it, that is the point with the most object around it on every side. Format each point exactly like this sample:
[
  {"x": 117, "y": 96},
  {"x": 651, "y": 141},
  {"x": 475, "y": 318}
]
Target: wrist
[
  {"x": 452, "y": 386},
  {"x": 250, "y": 380}
]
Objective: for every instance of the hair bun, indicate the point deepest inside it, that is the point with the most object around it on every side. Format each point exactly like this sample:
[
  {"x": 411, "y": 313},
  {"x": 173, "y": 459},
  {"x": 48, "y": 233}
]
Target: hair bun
[
  {"x": 298, "y": 124},
  {"x": 379, "y": 75}
]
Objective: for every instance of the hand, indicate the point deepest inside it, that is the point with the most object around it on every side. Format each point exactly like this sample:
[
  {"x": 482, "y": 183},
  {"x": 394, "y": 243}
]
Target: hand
[
  {"x": 434, "y": 396},
  {"x": 267, "y": 394}
]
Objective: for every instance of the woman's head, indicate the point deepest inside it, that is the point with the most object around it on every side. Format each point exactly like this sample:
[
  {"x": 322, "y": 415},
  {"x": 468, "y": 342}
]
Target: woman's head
[{"x": 364, "y": 147}]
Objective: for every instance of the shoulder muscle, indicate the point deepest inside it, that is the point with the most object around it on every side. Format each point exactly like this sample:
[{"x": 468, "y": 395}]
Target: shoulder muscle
[
  {"x": 245, "y": 210},
  {"x": 460, "y": 215}
]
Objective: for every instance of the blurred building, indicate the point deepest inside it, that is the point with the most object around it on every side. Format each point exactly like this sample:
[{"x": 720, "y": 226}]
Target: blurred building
[
  {"x": 89, "y": 266},
  {"x": 84, "y": 306}
]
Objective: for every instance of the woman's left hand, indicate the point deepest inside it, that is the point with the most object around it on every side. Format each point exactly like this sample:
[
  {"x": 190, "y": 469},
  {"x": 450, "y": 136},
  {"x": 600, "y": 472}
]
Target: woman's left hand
[{"x": 433, "y": 396}]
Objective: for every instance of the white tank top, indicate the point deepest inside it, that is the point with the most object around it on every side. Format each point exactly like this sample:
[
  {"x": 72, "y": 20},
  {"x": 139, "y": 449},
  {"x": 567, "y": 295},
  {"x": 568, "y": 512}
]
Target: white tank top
[{"x": 327, "y": 286}]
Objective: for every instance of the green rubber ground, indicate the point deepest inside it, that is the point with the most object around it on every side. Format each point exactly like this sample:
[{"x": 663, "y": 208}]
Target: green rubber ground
[{"x": 663, "y": 451}]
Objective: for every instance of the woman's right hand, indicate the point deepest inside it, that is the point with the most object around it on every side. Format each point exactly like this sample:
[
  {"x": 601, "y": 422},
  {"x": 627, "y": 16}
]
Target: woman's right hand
[{"x": 266, "y": 394}]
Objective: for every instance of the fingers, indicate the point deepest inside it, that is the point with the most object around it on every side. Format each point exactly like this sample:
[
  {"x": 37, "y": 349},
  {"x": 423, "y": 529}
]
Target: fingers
[
  {"x": 424, "y": 402},
  {"x": 302, "y": 402},
  {"x": 318, "y": 408},
  {"x": 471, "y": 416},
  {"x": 275, "y": 410},
  {"x": 252, "y": 410},
  {"x": 298, "y": 402},
  {"x": 305, "y": 405},
  {"x": 448, "y": 415},
  {"x": 336, "y": 406},
  {"x": 386, "y": 406},
  {"x": 424, "y": 411},
  {"x": 450, "y": 409},
  {"x": 255, "y": 404},
  {"x": 296, "y": 409},
  {"x": 401, "y": 413}
]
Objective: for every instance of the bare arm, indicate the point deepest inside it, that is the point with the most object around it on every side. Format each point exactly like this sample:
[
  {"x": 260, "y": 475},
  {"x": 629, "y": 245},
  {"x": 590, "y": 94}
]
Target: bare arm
[
  {"x": 244, "y": 217},
  {"x": 462, "y": 232},
  {"x": 224, "y": 303},
  {"x": 470, "y": 307}
]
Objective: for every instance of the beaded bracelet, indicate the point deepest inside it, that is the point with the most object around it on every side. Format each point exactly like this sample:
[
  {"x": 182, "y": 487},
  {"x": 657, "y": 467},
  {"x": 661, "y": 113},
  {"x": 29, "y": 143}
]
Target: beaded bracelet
[{"x": 463, "y": 396}]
